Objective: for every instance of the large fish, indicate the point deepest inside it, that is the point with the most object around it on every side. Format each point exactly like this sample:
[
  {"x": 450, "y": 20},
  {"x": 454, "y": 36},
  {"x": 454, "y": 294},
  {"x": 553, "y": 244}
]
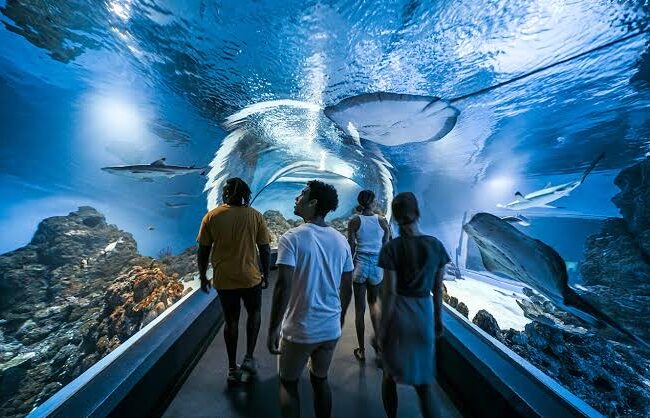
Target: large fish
[
  {"x": 506, "y": 250},
  {"x": 158, "y": 168},
  {"x": 541, "y": 198}
]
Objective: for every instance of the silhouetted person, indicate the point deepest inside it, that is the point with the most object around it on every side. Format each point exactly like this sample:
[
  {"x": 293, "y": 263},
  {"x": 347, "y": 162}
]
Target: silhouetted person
[
  {"x": 413, "y": 267},
  {"x": 367, "y": 233},
  {"x": 230, "y": 233},
  {"x": 313, "y": 258}
]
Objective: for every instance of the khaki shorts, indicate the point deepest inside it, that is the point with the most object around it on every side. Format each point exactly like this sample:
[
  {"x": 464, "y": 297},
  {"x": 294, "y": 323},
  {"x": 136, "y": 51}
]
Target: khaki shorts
[{"x": 295, "y": 355}]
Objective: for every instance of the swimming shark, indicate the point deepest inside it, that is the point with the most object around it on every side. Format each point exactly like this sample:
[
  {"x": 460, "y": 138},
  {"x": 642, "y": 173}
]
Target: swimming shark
[
  {"x": 506, "y": 250},
  {"x": 541, "y": 198},
  {"x": 158, "y": 168}
]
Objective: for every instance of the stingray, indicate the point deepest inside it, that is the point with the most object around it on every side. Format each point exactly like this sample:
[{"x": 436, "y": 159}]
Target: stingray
[
  {"x": 394, "y": 119},
  {"x": 506, "y": 250},
  {"x": 541, "y": 198},
  {"x": 158, "y": 168}
]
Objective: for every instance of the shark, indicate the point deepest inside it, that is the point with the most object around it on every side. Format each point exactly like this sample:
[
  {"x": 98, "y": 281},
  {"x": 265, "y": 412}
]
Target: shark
[
  {"x": 158, "y": 168},
  {"x": 541, "y": 198},
  {"x": 506, "y": 250}
]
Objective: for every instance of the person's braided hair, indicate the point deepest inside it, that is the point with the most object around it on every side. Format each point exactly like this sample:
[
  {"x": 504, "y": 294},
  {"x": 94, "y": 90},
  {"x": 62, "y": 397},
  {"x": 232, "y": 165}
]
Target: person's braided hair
[
  {"x": 365, "y": 199},
  {"x": 236, "y": 192}
]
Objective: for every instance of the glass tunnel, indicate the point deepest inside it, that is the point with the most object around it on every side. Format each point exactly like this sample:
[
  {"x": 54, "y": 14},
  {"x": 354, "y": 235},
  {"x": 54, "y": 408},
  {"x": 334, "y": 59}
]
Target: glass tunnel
[{"x": 522, "y": 128}]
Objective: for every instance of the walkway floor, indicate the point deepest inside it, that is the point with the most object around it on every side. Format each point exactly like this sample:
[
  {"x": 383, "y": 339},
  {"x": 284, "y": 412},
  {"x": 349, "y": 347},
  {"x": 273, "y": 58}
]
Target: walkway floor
[{"x": 356, "y": 388}]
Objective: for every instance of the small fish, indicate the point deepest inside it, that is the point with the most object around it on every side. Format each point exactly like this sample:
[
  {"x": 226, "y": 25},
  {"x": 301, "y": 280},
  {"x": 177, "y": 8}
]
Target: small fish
[
  {"x": 182, "y": 194},
  {"x": 176, "y": 205},
  {"x": 519, "y": 219},
  {"x": 110, "y": 247},
  {"x": 158, "y": 168}
]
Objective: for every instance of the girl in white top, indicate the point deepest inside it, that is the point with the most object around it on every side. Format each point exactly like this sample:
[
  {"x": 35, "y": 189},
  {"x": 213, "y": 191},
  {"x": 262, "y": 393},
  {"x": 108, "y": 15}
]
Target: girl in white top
[{"x": 367, "y": 233}]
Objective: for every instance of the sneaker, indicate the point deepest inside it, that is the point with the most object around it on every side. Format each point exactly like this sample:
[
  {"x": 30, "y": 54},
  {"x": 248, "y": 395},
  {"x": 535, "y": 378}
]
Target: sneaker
[
  {"x": 234, "y": 376},
  {"x": 250, "y": 366}
]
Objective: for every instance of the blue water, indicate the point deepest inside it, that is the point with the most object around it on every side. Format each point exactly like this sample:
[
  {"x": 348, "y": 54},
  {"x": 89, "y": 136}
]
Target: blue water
[{"x": 84, "y": 85}]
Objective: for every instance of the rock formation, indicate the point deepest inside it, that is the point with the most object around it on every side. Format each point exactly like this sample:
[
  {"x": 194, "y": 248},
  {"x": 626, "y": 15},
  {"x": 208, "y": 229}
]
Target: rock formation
[
  {"x": 598, "y": 366},
  {"x": 278, "y": 225},
  {"x": 68, "y": 298},
  {"x": 616, "y": 270}
]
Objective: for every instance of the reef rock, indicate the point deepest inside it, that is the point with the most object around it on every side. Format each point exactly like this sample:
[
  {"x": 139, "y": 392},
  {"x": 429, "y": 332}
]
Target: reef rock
[
  {"x": 616, "y": 269},
  {"x": 133, "y": 300},
  {"x": 606, "y": 375},
  {"x": 484, "y": 320},
  {"x": 633, "y": 201},
  {"x": 68, "y": 298},
  {"x": 182, "y": 264},
  {"x": 52, "y": 262},
  {"x": 278, "y": 225}
]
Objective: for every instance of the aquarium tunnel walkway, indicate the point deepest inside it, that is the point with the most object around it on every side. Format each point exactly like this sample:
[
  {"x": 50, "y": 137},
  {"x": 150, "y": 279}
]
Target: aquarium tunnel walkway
[{"x": 177, "y": 366}]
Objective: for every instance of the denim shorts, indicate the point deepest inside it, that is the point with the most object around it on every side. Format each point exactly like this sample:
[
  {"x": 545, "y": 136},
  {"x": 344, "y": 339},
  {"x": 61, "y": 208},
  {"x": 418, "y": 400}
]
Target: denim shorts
[{"x": 366, "y": 269}]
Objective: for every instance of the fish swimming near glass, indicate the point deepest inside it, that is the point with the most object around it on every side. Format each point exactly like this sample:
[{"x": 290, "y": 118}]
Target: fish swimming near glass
[
  {"x": 518, "y": 219},
  {"x": 506, "y": 250},
  {"x": 541, "y": 198},
  {"x": 158, "y": 168},
  {"x": 176, "y": 205}
]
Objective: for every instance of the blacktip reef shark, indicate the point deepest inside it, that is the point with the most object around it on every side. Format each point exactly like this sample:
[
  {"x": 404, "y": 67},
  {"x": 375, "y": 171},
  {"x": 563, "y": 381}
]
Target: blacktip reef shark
[
  {"x": 506, "y": 250},
  {"x": 158, "y": 168},
  {"x": 542, "y": 198}
]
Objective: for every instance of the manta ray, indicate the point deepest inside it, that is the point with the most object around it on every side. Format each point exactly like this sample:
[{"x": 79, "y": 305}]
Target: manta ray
[
  {"x": 506, "y": 250},
  {"x": 542, "y": 198},
  {"x": 158, "y": 168}
]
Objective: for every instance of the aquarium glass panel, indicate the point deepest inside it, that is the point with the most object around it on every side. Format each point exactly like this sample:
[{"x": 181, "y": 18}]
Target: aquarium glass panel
[{"x": 522, "y": 127}]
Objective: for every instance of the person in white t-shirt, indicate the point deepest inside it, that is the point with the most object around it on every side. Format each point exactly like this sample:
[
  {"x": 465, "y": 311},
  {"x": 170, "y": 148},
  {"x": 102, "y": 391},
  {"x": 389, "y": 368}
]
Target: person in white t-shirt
[{"x": 313, "y": 258}]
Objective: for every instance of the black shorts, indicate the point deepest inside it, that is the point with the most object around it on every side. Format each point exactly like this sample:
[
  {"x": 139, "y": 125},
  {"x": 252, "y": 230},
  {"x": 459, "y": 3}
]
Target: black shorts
[{"x": 252, "y": 297}]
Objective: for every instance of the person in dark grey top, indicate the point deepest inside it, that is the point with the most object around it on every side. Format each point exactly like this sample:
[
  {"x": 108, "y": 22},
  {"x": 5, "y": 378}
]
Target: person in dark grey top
[{"x": 413, "y": 267}]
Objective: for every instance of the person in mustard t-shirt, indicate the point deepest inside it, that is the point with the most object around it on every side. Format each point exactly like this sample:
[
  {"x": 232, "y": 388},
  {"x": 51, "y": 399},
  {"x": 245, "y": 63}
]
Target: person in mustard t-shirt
[{"x": 230, "y": 233}]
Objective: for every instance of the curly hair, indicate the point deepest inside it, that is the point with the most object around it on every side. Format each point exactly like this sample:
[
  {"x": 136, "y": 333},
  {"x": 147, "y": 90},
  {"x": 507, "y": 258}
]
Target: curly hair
[
  {"x": 236, "y": 192},
  {"x": 327, "y": 200}
]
